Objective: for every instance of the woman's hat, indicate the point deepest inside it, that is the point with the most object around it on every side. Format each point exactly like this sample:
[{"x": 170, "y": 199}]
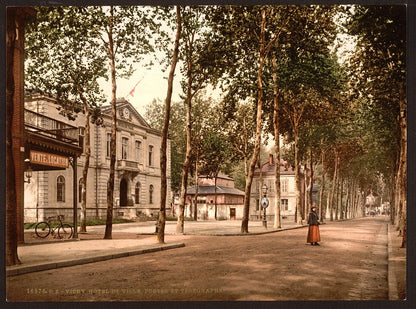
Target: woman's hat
[{"x": 313, "y": 206}]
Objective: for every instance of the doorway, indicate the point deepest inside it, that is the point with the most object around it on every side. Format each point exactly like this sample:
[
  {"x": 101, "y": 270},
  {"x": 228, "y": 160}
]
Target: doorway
[
  {"x": 123, "y": 192},
  {"x": 232, "y": 213}
]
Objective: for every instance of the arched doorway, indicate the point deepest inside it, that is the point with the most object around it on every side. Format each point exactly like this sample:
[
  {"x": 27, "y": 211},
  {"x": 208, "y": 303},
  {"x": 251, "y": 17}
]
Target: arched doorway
[{"x": 123, "y": 192}]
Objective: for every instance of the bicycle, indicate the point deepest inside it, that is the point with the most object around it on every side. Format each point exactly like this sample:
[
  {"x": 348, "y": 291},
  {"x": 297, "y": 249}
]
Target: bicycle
[{"x": 64, "y": 230}]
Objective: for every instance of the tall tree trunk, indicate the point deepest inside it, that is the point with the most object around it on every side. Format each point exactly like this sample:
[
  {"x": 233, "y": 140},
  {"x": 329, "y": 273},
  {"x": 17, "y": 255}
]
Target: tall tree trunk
[
  {"x": 215, "y": 196},
  {"x": 305, "y": 193},
  {"x": 321, "y": 193},
  {"x": 298, "y": 217},
  {"x": 354, "y": 199},
  {"x": 259, "y": 189},
  {"x": 196, "y": 187},
  {"x": 394, "y": 192},
  {"x": 249, "y": 178},
  {"x": 334, "y": 179},
  {"x": 395, "y": 196},
  {"x": 187, "y": 163},
  {"x": 113, "y": 148},
  {"x": 341, "y": 205},
  {"x": 11, "y": 199},
  {"x": 356, "y": 203},
  {"x": 84, "y": 179},
  {"x": 163, "y": 150},
  {"x": 403, "y": 164},
  {"x": 347, "y": 199},
  {"x": 337, "y": 199},
  {"x": 277, "y": 221},
  {"x": 311, "y": 202}
]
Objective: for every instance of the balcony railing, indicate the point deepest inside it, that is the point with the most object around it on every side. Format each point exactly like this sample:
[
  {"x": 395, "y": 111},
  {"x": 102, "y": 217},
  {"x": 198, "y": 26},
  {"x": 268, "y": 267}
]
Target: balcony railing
[
  {"x": 127, "y": 164},
  {"x": 52, "y": 128}
]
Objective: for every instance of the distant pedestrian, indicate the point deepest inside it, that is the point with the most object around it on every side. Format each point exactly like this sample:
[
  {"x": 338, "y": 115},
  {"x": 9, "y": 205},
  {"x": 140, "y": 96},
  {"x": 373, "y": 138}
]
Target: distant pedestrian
[{"x": 313, "y": 232}]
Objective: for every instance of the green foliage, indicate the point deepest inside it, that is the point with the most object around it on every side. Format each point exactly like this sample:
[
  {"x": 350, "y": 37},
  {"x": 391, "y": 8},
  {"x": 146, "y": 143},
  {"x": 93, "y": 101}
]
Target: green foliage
[
  {"x": 131, "y": 28},
  {"x": 154, "y": 115},
  {"x": 378, "y": 74},
  {"x": 62, "y": 59}
]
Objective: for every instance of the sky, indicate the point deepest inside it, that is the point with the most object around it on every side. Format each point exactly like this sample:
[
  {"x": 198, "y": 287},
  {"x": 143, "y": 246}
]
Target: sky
[{"x": 147, "y": 84}]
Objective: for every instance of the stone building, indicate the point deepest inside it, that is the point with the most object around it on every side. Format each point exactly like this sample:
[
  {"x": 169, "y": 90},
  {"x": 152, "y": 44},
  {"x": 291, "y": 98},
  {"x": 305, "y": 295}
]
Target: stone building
[
  {"x": 287, "y": 190},
  {"x": 224, "y": 203},
  {"x": 137, "y": 174}
]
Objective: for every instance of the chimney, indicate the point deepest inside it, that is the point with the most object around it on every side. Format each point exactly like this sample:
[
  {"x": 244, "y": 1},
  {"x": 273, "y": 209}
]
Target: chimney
[{"x": 270, "y": 159}]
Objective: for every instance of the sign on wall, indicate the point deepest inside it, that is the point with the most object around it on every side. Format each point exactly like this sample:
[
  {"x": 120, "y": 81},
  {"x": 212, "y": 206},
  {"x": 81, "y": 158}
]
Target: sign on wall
[{"x": 49, "y": 159}]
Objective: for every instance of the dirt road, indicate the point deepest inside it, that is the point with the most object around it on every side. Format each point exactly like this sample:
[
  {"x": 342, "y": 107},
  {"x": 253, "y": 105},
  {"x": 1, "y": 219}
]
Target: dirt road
[{"x": 350, "y": 264}]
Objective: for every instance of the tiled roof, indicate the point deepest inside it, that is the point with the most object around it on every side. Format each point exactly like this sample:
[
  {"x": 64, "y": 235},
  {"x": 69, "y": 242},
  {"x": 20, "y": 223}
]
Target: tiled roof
[
  {"x": 204, "y": 190},
  {"x": 285, "y": 168}
]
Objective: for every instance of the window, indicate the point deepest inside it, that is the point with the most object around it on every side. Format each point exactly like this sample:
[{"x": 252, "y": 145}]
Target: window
[
  {"x": 137, "y": 193},
  {"x": 257, "y": 204},
  {"x": 60, "y": 189},
  {"x": 108, "y": 144},
  {"x": 124, "y": 145},
  {"x": 284, "y": 204},
  {"x": 81, "y": 134},
  {"x": 284, "y": 185},
  {"x": 151, "y": 194},
  {"x": 138, "y": 147},
  {"x": 150, "y": 155},
  {"x": 80, "y": 190}
]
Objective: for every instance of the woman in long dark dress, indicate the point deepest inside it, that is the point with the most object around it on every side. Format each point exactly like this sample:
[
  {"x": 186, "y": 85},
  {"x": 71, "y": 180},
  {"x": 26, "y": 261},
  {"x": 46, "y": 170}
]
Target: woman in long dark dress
[{"x": 313, "y": 232}]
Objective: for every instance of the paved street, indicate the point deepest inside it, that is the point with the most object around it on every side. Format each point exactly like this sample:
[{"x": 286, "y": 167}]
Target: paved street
[{"x": 350, "y": 264}]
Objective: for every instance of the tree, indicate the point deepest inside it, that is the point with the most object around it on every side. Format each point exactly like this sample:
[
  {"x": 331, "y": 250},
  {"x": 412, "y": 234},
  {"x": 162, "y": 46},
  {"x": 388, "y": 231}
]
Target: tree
[
  {"x": 163, "y": 159},
  {"x": 379, "y": 71},
  {"x": 244, "y": 223},
  {"x": 154, "y": 115},
  {"x": 16, "y": 19},
  {"x": 123, "y": 36},
  {"x": 310, "y": 75},
  {"x": 237, "y": 27},
  {"x": 276, "y": 127},
  {"x": 204, "y": 119},
  {"x": 239, "y": 127},
  {"x": 202, "y": 58},
  {"x": 215, "y": 151},
  {"x": 62, "y": 62}
]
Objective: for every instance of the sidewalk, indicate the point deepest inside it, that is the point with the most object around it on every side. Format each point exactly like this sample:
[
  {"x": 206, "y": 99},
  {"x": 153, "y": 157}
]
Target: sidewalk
[
  {"x": 75, "y": 252},
  {"x": 396, "y": 265}
]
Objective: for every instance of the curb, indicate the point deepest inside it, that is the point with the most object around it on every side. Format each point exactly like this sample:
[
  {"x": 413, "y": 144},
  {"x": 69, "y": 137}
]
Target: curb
[
  {"x": 391, "y": 276},
  {"x": 19, "y": 270}
]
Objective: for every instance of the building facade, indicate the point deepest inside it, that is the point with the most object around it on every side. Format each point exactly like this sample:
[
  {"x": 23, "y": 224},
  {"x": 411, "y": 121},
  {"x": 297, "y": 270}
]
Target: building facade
[
  {"x": 266, "y": 175},
  {"x": 223, "y": 203},
  {"x": 137, "y": 171}
]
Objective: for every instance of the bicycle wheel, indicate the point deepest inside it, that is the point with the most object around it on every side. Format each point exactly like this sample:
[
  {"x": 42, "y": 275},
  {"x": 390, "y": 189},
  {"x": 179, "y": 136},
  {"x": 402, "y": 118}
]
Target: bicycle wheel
[
  {"x": 42, "y": 229},
  {"x": 65, "y": 231}
]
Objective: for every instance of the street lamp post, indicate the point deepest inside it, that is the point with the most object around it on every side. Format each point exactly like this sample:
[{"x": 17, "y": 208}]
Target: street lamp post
[
  {"x": 264, "y": 204},
  {"x": 28, "y": 172}
]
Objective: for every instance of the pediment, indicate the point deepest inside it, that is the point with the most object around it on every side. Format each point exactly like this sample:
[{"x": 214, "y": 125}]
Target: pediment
[{"x": 126, "y": 112}]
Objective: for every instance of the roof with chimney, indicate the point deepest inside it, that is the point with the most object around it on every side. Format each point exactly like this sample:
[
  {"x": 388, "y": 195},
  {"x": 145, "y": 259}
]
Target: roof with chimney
[{"x": 269, "y": 167}]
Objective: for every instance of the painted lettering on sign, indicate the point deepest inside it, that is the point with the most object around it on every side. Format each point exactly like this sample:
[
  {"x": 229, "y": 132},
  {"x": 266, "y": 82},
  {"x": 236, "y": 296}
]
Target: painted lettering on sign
[{"x": 49, "y": 159}]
